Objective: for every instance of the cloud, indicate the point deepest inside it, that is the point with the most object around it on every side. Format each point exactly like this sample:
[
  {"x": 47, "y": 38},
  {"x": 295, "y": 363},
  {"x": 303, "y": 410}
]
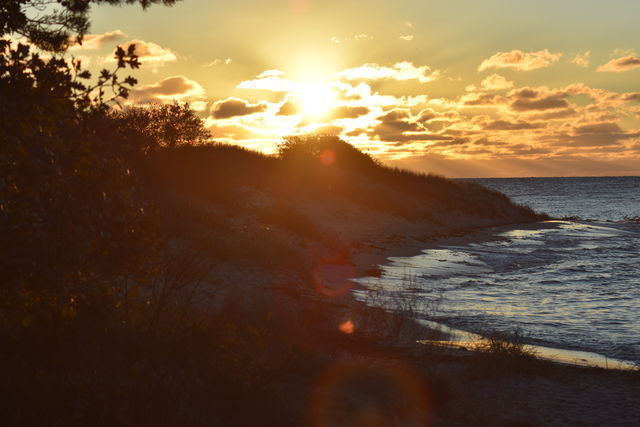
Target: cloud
[
  {"x": 98, "y": 41},
  {"x": 359, "y": 37},
  {"x": 407, "y": 38},
  {"x": 149, "y": 52},
  {"x": 632, "y": 97},
  {"x": 172, "y": 88},
  {"x": 554, "y": 114},
  {"x": 519, "y": 60},
  {"x": 349, "y": 112},
  {"x": 270, "y": 80},
  {"x": 217, "y": 62},
  {"x": 288, "y": 108},
  {"x": 393, "y": 126},
  {"x": 399, "y": 127},
  {"x": 232, "y": 107},
  {"x": 398, "y": 120},
  {"x": 518, "y": 125},
  {"x": 619, "y": 65},
  {"x": 598, "y": 128},
  {"x": 528, "y": 99},
  {"x": 328, "y": 130},
  {"x": 604, "y": 134},
  {"x": 401, "y": 71},
  {"x": 522, "y": 123},
  {"x": 493, "y": 82},
  {"x": 228, "y": 131},
  {"x": 355, "y": 38},
  {"x": 481, "y": 99},
  {"x": 582, "y": 59}
]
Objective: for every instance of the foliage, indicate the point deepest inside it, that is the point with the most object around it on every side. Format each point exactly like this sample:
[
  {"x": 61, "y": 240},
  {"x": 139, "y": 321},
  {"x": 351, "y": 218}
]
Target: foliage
[
  {"x": 77, "y": 227},
  {"x": 161, "y": 125},
  {"x": 325, "y": 149},
  {"x": 52, "y": 25},
  {"x": 500, "y": 352},
  {"x": 73, "y": 219}
]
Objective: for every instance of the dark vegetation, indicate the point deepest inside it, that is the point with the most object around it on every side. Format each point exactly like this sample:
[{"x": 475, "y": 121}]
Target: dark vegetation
[{"x": 117, "y": 225}]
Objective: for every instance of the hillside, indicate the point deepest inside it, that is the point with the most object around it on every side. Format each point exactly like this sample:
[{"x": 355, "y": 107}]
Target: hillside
[
  {"x": 236, "y": 296},
  {"x": 319, "y": 196}
]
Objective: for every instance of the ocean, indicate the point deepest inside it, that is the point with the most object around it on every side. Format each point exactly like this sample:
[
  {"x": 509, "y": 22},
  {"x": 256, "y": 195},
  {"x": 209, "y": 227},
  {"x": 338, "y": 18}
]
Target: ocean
[{"x": 572, "y": 283}]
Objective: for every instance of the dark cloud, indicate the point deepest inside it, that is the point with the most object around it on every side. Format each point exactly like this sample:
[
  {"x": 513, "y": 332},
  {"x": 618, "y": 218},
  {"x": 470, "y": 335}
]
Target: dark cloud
[
  {"x": 398, "y": 127},
  {"x": 528, "y": 99},
  {"x": 547, "y": 103},
  {"x": 347, "y": 112},
  {"x": 507, "y": 125},
  {"x": 425, "y": 136},
  {"x": 593, "y": 135},
  {"x": 170, "y": 88},
  {"x": 356, "y": 132},
  {"x": 289, "y": 108},
  {"x": 450, "y": 143},
  {"x": 329, "y": 130},
  {"x": 487, "y": 142},
  {"x": 437, "y": 125},
  {"x": 599, "y": 128},
  {"x": 397, "y": 121},
  {"x": 232, "y": 107},
  {"x": 526, "y": 150},
  {"x": 426, "y": 114},
  {"x": 635, "y": 96},
  {"x": 553, "y": 115},
  {"x": 481, "y": 99}
]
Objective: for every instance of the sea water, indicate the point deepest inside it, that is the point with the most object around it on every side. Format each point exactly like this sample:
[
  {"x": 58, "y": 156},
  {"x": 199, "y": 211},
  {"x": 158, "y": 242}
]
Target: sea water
[{"x": 572, "y": 283}]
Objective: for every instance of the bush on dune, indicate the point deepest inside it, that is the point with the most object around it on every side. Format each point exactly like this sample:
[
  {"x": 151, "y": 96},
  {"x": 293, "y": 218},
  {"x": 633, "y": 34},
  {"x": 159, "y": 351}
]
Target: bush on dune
[{"x": 326, "y": 168}]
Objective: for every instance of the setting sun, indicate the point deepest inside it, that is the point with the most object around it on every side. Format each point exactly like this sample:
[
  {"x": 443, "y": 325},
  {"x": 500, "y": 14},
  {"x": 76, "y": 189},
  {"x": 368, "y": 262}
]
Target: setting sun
[{"x": 316, "y": 100}]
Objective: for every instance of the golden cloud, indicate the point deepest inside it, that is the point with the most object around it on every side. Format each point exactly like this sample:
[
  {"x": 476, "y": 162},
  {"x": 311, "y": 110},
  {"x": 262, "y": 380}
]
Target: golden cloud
[
  {"x": 527, "y": 122},
  {"x": 98, "y": 41},
  {"x": 582, "y": 59},
  {"x": 232, "y": 107},
  {"x": 619, "y": 65},
  {"x": 519, "y": 60},
  {"x": 178, "y": 88},
  {"x": 270, "y": 80},
  {"x": 149, "y": 52},
  {"x": 493, "y": 82},
  {"x": 401, "y": 71}
]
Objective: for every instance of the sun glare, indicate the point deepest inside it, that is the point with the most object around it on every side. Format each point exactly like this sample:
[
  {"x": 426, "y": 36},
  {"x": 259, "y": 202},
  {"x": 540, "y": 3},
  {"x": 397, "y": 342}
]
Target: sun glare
[{"x": 316, "y": 100}]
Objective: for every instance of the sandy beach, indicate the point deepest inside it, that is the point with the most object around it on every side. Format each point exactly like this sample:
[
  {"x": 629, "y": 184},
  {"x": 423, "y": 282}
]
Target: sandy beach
[{"x": 482, "y": 391}]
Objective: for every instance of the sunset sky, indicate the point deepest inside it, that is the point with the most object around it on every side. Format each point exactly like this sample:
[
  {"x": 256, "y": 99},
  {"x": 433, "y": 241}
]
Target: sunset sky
[{"x": 463, "y": 88}]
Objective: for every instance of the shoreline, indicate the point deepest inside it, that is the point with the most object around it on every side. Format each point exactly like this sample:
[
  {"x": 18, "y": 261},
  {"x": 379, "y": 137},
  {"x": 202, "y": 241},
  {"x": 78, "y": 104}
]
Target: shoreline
[
  {"x": 369, "y": 264},
  {"x": 471, "y": 386}
]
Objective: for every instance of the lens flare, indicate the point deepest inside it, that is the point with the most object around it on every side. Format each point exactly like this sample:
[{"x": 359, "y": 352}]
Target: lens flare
[
  {"x": 369, "y": 393},
  {"x": 347, "y": 327},
  {"x": 327, "y": 157}
]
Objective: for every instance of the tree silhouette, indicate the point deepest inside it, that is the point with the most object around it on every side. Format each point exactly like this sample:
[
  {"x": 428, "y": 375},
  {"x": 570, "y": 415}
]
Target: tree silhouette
[
  {"x": 53, "y": 24},
  {"x": 75, "y": 221}
]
